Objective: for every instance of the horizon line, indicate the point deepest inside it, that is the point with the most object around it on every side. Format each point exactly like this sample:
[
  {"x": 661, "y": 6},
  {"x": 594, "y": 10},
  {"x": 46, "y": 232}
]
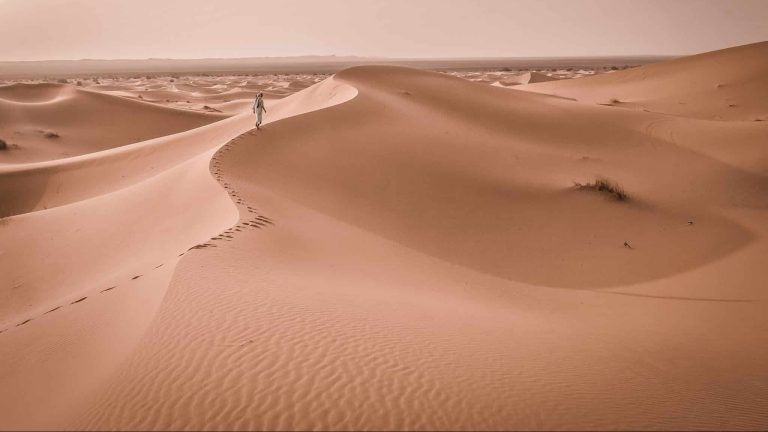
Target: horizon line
[{"x": 335, "y": 56}]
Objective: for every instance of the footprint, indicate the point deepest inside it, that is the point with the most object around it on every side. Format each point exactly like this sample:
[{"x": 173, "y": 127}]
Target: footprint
[
  {"x": 136, "y": 277},
  {"x": 157, "y": 267},
  {"x": 78, "y": 301},
  {"x": 23, "y": 322},
  {"x": 107, "y": 289},
  {"x": 52, "y": 310}
]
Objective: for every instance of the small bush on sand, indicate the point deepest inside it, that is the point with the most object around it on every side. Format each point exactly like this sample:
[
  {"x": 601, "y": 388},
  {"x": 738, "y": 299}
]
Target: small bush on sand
[
  {"x": 614, "y": 101},
  {"x": 62, "y": 81},
  {"x": 3, "y": 144},
  {"x": 606, "y": 186},
  {"x": 50, "y": 134}
]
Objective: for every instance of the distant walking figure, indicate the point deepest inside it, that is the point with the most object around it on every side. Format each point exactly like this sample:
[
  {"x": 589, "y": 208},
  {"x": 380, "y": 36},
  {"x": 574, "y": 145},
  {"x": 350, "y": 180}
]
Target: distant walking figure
[{"x": 258, "y": 107}]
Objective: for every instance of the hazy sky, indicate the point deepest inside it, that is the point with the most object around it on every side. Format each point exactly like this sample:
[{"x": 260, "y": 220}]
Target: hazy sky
[{"x": 74, "y": 29}]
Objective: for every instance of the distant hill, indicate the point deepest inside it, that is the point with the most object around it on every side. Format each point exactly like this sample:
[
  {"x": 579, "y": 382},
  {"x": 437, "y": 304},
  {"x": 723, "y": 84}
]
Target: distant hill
[{"x": 303, "y": 64}]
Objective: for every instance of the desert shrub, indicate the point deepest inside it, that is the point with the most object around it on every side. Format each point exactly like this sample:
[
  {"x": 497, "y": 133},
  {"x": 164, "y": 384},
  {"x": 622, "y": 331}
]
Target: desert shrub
[
  {"x": 614, "y": 100},
  {"x": 606, "y": 186},
  {"x": 50, "y": 134},
  {"x": 3, "y": 144},
  {"x": 62, "y": 81}
]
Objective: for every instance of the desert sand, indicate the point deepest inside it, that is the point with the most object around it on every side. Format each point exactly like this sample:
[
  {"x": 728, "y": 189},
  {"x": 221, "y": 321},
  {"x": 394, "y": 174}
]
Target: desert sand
[{"x": 395, "y": 249}]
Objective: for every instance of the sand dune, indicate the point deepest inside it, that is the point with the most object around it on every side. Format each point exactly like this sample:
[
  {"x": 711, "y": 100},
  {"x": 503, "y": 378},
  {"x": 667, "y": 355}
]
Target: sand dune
[
  {"x": 525, "y": 78},
  {"x": 195, "y": 94},
  {"x": 728, "y": 85},
  {"x": 477, "y": 179},
  {"x": 71, "y": 211},
  {"x": 82, "y": 121},
  {"x": 402, "y": 249}
]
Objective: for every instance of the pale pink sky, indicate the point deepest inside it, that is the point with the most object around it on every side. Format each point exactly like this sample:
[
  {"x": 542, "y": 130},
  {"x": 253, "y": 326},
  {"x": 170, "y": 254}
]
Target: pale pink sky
[{"x": 74, "y": 29}]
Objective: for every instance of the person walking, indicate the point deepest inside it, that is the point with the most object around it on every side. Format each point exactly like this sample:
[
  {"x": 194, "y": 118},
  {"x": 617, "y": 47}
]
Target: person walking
[{"x": 258, "y": 107}]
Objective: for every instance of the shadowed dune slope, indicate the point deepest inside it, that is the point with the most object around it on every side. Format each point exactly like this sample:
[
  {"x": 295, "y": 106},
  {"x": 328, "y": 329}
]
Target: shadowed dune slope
[{"x": 729, "y": 84}]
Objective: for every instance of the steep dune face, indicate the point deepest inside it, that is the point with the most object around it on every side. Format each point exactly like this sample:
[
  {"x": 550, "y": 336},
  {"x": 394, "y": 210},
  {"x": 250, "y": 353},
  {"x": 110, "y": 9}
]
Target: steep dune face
[
  {"x": 722, "y": 85},
  {"x": 400, "y": 259},
  {"x": 54, "y": 121}
]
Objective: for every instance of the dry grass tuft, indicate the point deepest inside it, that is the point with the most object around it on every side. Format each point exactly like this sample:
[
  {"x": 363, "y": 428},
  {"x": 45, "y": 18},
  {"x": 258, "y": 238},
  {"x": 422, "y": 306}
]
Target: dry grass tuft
[{"x": 606, "y": 186}]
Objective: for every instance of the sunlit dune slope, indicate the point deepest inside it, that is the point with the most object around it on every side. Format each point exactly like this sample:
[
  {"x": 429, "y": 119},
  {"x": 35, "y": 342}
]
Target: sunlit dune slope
[{"x": 729, "y": 84}]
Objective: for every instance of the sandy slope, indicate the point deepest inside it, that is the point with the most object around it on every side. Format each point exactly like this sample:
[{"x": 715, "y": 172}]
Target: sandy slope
[
  {"x": 411, "y": 253},
  {"x": 83, "y": 121},
  {"x": 728, "y": 85},
  {"x": 110, "y": 247}
]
